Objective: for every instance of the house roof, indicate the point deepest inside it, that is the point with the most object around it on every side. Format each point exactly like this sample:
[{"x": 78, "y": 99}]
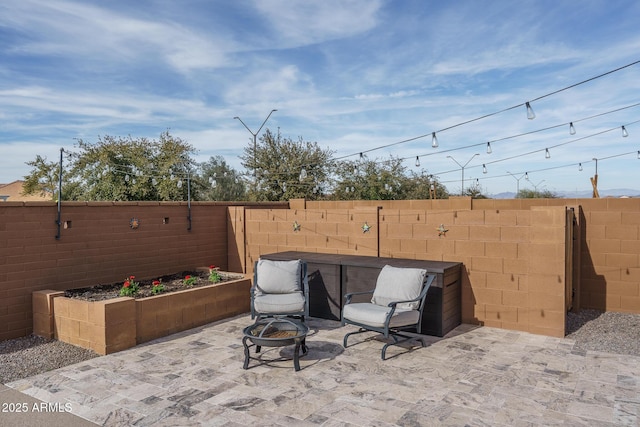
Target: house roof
[{"x": 12, "y": 192}]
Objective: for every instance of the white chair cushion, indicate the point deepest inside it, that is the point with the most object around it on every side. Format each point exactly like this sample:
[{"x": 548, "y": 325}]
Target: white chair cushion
[
  {"x": 399, "y": 284},
  {"x": 278, "y": 277},
  {"x": 279, "y": 303},
  {"x": 375, "y": 315}
]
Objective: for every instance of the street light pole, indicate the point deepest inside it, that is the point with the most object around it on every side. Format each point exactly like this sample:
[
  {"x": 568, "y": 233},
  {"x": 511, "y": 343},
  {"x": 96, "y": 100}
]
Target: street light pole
[
  {"x": 535, "y": 186},
  {"x": 462, "y": 167},
  {"x": 518, "y": 181},
  {"x": 255, "y": 134}
]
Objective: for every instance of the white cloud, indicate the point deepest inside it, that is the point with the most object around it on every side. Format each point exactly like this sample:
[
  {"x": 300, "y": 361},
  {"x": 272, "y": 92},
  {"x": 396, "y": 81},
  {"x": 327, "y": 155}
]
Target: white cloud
[{"x": 309, "y": 22}]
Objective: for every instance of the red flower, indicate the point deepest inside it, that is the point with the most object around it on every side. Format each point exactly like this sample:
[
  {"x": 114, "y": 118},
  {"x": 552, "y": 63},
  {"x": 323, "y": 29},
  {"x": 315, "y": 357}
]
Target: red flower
[
  {"x": 132, "y": 277},
  {"x": 156, "y": 283},
  {"x": 187, "y": 277},
  {"x": 211, "y": 267},
  {"x": 127, "y": 284}
]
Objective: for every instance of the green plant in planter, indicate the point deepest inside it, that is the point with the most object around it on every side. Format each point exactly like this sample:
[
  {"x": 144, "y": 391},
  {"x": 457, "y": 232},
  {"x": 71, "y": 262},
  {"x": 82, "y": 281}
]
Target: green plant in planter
[
  {"x": 129, "y": 287},
  {"x": 157, "y": 287},
  {"x": 189, "y": 280},
  {"x": 214, "y": 276}
]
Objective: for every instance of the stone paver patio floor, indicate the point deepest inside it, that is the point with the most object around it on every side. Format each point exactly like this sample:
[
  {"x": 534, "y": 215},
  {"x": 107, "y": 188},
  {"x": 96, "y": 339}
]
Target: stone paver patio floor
[{"x": 474, "y": 376}]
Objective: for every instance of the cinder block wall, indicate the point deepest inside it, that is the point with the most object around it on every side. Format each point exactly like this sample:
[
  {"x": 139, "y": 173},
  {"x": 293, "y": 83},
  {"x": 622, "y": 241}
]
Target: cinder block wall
[
  {"x": 506, "y": 280},
  {"x": 610, "y": 258},
  {"x": 514, "y": 259},
  {"x": 99, "y": 246}
]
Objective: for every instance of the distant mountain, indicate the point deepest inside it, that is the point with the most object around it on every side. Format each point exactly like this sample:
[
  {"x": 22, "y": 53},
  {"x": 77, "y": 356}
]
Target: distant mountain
[{"x": 616, "y": 192}]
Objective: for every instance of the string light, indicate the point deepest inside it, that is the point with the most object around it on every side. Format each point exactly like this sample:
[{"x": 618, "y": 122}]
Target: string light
[
  {"x": 530, "y": 114},
  {"x": 417, "y": 161},
  {"x": 489, "y": 150},
  {"x": 547, "y": 154},
  {"x": 580, "y": 167},
  {"x": 434, "y": 140},
  {"x": 572, "y": 129},
  {"x": 624, "y": 132},
  {"x": 484, "y": 168}
]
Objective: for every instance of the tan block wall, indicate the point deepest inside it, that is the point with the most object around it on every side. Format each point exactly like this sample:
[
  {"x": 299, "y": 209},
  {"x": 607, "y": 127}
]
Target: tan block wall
[
  {"x": 98, "y": 246},
  {"x": 163, "y": 315},
  {"x": 513, "y": 259},
  {"x": 610, "y": 258},
  {"x": 102, "y": 326},
  {"x": 43, "y": 321},
  {"x": 321, "y": 230},
  {"x": 120, "y": 323}
]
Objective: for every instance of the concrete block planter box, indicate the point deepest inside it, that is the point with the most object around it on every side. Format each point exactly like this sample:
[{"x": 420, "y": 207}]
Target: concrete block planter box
[{"x": 120, "y": 323}]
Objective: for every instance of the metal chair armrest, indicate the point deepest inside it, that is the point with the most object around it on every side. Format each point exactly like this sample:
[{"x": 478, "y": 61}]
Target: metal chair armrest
[{"x": 348, "y": 296}]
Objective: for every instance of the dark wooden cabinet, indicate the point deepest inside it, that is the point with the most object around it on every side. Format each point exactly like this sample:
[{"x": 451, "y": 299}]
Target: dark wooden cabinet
[{"x": 332, "y": 275}]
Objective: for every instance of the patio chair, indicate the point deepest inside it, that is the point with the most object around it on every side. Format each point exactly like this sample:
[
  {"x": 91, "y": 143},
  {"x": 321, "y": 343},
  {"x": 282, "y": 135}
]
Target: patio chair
[
  {"x": 280, "y": 289},
  {"x": 396, "y": 306}
]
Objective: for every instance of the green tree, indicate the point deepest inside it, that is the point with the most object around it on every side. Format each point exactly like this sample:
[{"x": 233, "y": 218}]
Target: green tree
[
  {"x": 220, "y": 182},
  {"x": 420, "y": 184},
  {"x": 367, "y": 179},
  {"x": 115, "y": 168},
  {"x": 535, "y": 194},
  {"x": 475, "y": 191},
  {"x": 43, "y": 178},
  {"x": 285, "y": 169}
]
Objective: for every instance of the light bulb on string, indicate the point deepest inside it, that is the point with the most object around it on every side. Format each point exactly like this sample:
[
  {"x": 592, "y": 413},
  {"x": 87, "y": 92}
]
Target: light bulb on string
[
  {"x": 434, "y": 140},
  {"x": 572, "y": 129},
  {"x": 489, "y": 150},
  {"x": 484, "y": 168},
  {"x": 639, "y": 154},
  {"x": 547, "y": 154},
  {"x": 417, "y": 161},
  {"x": 580, "y": 167},
  {"x": 530, "y": 114},
  {"x": 624, "y": 132}
]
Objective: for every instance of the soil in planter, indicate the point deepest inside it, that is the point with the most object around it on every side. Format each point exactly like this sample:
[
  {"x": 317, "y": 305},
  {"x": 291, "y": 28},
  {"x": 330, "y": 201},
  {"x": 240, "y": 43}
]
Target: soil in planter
[{"x": 171, "y": 283}]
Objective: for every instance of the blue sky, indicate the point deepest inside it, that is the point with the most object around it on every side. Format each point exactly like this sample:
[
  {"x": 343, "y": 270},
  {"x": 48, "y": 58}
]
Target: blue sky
[{"x": 352, "y": 75}]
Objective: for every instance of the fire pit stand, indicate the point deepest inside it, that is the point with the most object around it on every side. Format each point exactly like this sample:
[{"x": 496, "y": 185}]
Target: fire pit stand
[{"x": 276, "y": 332}]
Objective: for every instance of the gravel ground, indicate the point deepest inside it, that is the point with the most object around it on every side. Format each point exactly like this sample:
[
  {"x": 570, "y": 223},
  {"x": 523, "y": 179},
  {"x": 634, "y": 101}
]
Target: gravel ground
[
  {"x": 608, "y": 332},
  {"x": 27, "y": 356},
  {"x": 590, "y": 329}
]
